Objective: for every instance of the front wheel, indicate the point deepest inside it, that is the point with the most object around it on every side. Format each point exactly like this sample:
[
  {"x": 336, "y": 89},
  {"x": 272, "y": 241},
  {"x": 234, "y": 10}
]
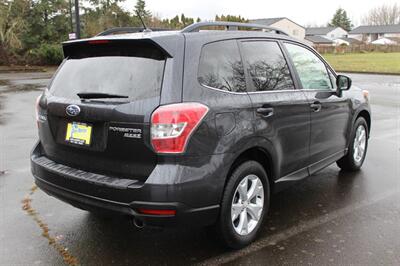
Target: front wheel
[
  {"x": 244, "y": 205},
  {"x": 355, "y": 156}
]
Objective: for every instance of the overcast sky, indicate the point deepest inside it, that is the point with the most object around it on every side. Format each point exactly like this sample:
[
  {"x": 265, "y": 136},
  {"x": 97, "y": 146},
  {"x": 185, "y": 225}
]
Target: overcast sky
[{"x": 304, "y": 12}]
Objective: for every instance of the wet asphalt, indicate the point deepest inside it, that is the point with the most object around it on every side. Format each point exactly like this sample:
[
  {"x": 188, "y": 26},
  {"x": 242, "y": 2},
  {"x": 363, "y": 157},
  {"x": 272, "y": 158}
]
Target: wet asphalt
[{"x": 332, "y": 218}]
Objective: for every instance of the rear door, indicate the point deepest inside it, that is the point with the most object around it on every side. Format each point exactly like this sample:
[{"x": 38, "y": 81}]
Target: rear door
[
  {"x": 281, "y": 112},
  {"x": 330, "y": 113},
  {"x": 96, "y": 132}
]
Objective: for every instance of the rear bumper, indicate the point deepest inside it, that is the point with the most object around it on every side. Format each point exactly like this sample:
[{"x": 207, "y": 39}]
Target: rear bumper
[{"x": 196, "y": 200}]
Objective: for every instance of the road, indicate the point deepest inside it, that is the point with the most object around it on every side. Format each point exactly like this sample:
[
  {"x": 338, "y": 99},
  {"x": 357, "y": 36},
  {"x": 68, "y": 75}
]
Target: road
[{"x": 332, "y": 218}]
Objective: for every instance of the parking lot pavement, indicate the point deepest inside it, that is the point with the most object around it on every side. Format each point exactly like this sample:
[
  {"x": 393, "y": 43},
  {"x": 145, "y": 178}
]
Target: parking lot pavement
[{"x": 331, "y": 218}]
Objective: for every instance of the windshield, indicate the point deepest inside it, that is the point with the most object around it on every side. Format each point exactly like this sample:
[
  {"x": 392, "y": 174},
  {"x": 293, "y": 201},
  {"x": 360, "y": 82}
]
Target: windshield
[{"x": 137, "y": 77}]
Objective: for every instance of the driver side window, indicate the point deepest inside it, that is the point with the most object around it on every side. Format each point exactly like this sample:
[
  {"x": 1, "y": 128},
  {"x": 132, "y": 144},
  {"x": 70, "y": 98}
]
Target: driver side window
[{"x": 312, "y": 71}]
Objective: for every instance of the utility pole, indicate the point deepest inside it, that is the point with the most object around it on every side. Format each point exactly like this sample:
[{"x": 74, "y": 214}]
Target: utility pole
[
  {"x": 70, "y": 15},
  {"x": 77, "y": 20}
]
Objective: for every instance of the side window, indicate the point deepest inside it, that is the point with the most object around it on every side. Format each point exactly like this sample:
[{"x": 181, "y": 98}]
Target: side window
[
  {"x": 312, "y": 71},
  {"x": 221, "y": 67},
  {"x": 266, "y": 66}
]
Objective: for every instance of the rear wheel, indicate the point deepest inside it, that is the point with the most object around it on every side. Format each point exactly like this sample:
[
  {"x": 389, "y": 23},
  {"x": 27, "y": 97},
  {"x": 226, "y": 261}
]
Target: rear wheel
[
  {"x": 244, "y": 205},
  {"x": 355, "y": 156}
]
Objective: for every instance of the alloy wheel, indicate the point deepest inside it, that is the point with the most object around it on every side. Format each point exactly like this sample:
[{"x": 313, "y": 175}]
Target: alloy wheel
[
  {"x": 247, "y": 204},
  {"x": 360, "y": 142}
]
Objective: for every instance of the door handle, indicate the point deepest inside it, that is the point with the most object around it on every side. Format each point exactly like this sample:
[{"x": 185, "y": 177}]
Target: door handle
[
  {"x": 265, "y": 112},
  {"x": 316, "y": 106}
]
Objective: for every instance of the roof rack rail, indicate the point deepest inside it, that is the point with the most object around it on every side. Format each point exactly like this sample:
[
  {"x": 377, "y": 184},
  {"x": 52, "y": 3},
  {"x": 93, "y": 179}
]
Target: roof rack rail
[
  {"x": 230, "y": 26},
  {"x": 122, "y": 30}
]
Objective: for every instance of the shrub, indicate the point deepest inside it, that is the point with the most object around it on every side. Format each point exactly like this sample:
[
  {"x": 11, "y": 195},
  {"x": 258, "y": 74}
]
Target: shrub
[{"x": 46, "y": 54}]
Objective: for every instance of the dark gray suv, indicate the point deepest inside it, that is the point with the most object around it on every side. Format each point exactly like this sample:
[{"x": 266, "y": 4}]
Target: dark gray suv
[{"x": 195, "y": 126}]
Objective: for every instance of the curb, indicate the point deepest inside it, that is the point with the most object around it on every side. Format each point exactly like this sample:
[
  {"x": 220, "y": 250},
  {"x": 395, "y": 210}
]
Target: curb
[{"x": 5, "y": 69}]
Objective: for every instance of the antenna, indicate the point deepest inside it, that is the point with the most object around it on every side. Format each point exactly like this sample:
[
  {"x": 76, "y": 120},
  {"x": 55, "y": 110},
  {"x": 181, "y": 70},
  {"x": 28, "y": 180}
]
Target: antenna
[{"x": 146, "y": 29}]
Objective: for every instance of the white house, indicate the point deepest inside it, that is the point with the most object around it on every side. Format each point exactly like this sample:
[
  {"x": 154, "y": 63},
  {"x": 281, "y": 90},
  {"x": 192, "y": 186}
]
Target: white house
[
  {"x": 346, "y": 41},
  {"x": 387, "y": 41},
  {"x": 285, "y": 24},
  {"x": 372, "y": 33},
  {"x": 330, "y": 33}
]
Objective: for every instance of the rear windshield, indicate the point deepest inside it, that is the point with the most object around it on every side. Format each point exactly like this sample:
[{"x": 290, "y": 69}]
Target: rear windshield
[{"x": 124, "y": 69}]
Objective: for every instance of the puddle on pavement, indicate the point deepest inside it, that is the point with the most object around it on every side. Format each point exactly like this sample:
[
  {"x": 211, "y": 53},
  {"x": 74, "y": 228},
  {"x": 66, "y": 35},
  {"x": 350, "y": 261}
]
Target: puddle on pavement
[
  {"x": 22, "y": 88},
  {"x": 4, "y": 82},
  {"x": 7, "y": 87},
  {"x": 2, "y": 120}
]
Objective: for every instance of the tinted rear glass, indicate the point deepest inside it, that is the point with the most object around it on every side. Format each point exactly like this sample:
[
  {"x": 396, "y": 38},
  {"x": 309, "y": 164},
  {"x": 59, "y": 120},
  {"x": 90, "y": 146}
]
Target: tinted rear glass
[
  {"x": 266, "y": 66},
  {"x": 124, "y": 69},
  {"x": 221, "y": 67}
]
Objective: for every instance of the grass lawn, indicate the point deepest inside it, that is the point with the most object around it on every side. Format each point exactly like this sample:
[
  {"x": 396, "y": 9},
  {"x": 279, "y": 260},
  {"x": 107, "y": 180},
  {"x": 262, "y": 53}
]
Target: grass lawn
[{"x": 368, "y": 62}]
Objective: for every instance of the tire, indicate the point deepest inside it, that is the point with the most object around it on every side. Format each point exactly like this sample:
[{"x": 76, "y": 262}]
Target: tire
[
  {"x": 226, "y": 226},
  {"x": 351, "y": 162}
]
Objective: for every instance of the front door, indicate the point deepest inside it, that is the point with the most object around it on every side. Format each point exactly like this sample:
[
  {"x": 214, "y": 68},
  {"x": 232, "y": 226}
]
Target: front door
[{"x": 330, "y": 113}]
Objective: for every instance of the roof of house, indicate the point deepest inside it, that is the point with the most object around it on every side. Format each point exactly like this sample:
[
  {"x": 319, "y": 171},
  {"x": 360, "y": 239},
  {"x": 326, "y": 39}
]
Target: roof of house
[
  {"x": 351, "y": 40},
  {"x": 376, "y": 29},
  {"x": 385, "y": 40},
  {"x": 396, "y": 39},
  {"x": 270, "y": 21},
  {"x": 319, "y": 30},
  {"x": 318, "y": 39}
]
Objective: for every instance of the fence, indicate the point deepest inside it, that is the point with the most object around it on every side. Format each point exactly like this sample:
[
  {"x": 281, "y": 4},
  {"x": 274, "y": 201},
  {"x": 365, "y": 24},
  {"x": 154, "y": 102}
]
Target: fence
[{"x": 357, "y": 48}]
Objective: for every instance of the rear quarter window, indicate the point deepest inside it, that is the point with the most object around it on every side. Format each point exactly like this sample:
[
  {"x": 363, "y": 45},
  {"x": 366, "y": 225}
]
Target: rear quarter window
[{"x": 221, "y": 67}]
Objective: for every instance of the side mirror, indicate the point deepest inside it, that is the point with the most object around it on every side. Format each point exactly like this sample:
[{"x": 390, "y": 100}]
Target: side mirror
[{"x": 343, "y": 82}]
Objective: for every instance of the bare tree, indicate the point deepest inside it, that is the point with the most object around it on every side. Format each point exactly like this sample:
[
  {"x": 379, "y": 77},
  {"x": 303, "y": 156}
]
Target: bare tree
[{"x": 383, "y": 15}]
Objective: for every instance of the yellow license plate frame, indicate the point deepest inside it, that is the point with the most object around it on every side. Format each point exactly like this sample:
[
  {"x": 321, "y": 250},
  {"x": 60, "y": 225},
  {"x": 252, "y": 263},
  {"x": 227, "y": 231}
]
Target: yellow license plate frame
[{"x": 79, "y": 133}]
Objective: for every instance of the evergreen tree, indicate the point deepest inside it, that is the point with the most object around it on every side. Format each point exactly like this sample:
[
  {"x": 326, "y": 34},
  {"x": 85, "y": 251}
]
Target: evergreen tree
[
  {"x": 340, "y": 19},
  {"x": 231, "y": 18},
  {"x": 140, "y": 8}
]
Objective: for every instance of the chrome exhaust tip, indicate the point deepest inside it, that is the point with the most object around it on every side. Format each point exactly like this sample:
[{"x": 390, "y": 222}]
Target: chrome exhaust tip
[{"x": 138, "y": 223}]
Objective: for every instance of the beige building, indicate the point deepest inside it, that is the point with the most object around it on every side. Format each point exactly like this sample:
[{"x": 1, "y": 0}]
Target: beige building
[{"x": 285, "y": 24}]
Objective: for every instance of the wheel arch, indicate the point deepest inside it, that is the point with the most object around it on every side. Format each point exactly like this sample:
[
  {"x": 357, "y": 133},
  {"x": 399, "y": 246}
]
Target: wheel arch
[
  {"x": 367, "y": 116},
  {"x": 260, "y": 155}
]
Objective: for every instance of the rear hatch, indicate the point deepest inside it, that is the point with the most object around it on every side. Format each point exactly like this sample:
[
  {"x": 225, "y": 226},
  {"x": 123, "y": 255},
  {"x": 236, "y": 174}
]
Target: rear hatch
[{"x": 99, "y": 104}]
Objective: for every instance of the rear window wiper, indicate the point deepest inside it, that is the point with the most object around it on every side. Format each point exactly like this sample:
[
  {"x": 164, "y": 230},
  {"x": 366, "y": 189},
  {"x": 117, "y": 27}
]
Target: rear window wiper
[{"x": 99, "y": 95}]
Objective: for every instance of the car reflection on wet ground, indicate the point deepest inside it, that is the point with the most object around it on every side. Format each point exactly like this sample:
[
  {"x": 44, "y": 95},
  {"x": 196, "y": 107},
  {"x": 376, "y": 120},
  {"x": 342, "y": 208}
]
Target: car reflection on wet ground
[{"x": 331, "y": 218}]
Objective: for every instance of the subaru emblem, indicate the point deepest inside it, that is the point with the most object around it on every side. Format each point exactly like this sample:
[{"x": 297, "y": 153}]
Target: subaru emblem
[{"x": 73, "y": 110}]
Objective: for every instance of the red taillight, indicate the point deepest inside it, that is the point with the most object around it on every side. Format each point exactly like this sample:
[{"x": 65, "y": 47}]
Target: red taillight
[
  {"x": 98, "y": 41},
  {"x": 156, "y": 212},
  {"x": 173, "y": 124}
]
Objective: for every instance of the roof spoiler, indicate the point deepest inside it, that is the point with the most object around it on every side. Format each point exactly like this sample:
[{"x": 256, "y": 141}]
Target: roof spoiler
[{"x": 102, "y": 46}]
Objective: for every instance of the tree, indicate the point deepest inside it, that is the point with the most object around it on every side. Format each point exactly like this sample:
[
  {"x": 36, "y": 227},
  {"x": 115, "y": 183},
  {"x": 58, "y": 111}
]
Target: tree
[
  {"x": 47, "y": 22},
  {"x": 140, "y": 8},
  {"x": 383, "y": 15},
  {"x": 12, "y": 26},
  {"x": 102, "y": 15},
  {"x": 185, "y": 21},
  {"x": 231, "y": 18},
  {"x": 31, "y": 30},
  {"x": 340, "y": 19}
]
